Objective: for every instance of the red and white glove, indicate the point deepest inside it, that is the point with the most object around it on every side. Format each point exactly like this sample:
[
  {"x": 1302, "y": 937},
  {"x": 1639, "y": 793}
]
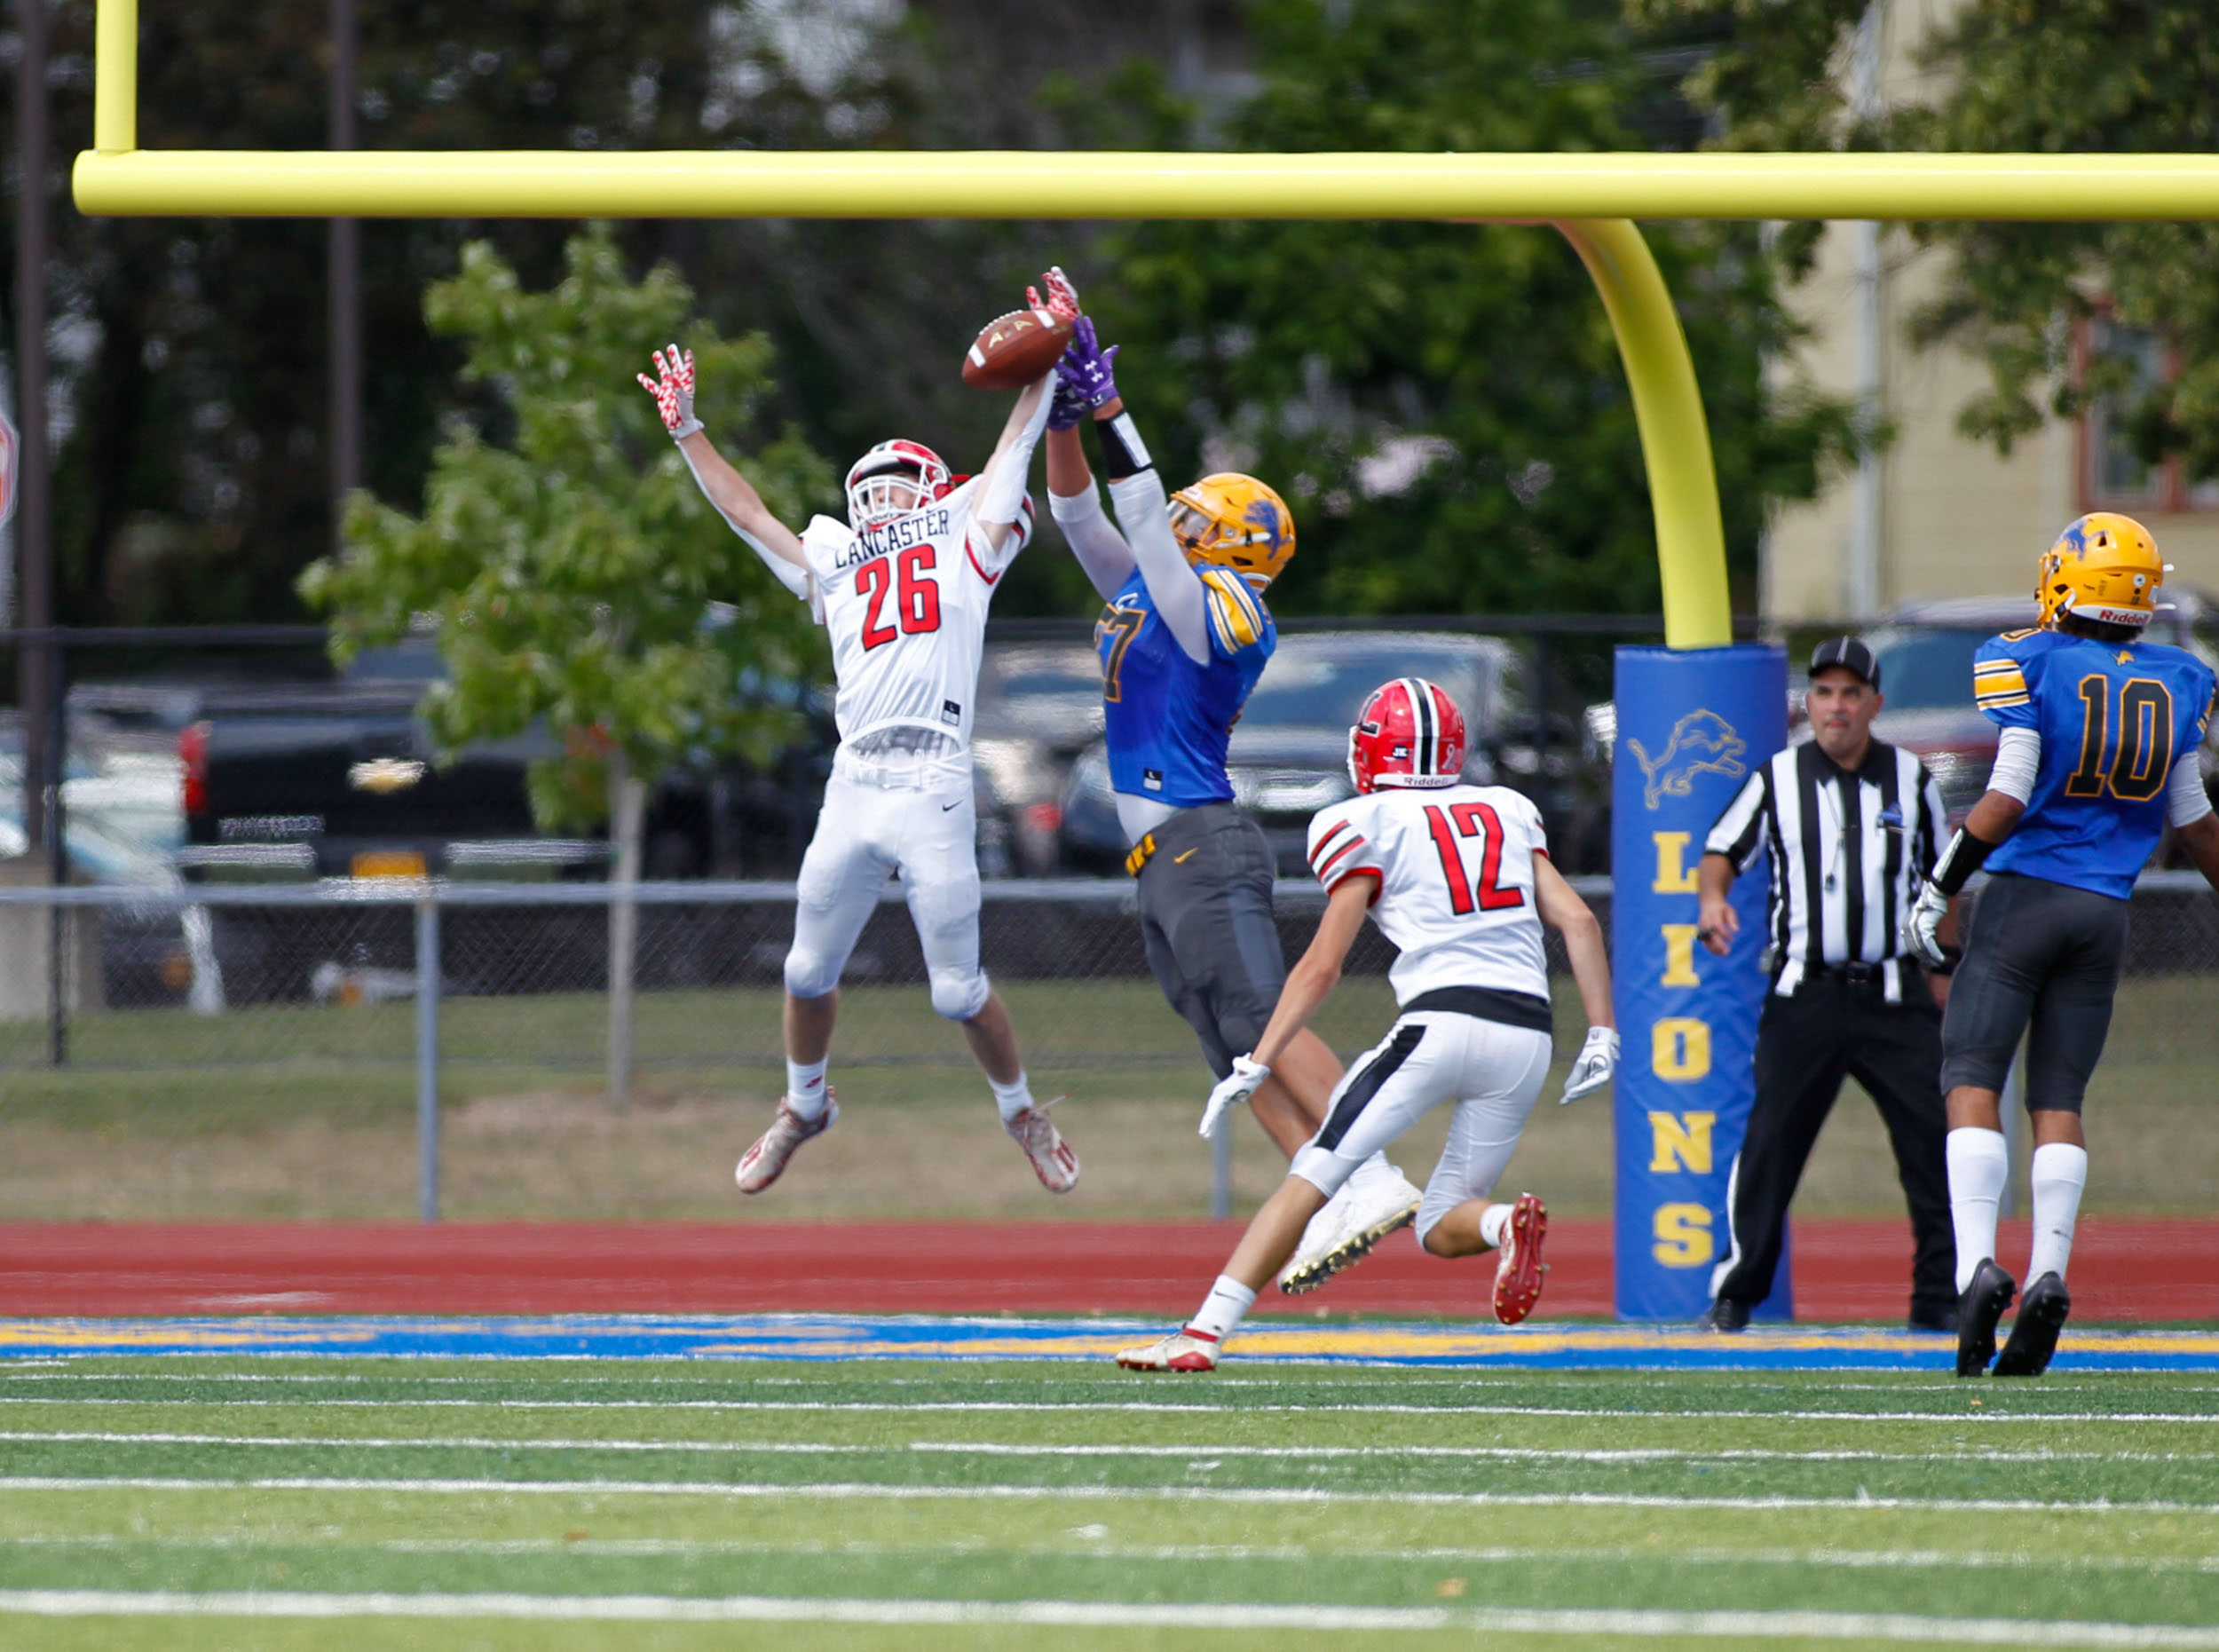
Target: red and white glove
[
  {"x": 1062, "y": 298},
  {"x": 673, "y": 390}
]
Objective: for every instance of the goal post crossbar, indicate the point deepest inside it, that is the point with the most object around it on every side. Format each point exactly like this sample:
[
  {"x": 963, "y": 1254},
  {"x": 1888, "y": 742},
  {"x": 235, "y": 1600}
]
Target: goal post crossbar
[{"x": 1590, "y": 198}]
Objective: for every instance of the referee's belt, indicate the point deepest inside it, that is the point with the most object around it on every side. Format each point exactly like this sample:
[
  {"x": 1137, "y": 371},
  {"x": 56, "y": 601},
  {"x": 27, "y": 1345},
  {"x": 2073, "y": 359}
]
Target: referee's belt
[
  {"x": 1855, "y": 973},
  {"x": 1140, "y": 854}
]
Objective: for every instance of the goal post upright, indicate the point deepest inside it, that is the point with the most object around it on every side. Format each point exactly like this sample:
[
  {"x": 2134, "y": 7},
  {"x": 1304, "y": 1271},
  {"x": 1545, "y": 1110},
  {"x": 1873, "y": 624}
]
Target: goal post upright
[{"x": 1693, "y": 717}]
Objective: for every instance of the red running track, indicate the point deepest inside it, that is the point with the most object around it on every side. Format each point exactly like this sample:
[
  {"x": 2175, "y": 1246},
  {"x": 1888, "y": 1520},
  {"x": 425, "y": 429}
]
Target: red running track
[{"x": 2125, "y": 1271}]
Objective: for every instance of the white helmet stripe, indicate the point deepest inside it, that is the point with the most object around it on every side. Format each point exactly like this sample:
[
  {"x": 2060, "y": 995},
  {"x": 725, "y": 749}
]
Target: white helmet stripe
[{"x": 1422, "y": 709}]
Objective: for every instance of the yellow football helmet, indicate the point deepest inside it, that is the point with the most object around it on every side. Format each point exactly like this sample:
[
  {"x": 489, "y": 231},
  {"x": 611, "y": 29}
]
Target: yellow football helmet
[
  {"x": 1233, "y": 521},
  {"x": 2104, "y": 567}
]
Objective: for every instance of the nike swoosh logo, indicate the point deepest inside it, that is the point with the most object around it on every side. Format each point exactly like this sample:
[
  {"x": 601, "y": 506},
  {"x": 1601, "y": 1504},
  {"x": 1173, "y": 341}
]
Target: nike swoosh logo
[
  {"x": 1180, "y": 861},
  {"x": 946, "y": 807}
]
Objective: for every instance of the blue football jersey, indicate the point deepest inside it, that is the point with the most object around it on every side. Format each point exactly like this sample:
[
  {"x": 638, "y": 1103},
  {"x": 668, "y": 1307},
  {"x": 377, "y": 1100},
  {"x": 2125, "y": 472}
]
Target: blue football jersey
[
  {"x": 2113, "y": 719},
  {"x": 1166, "y": 718}
]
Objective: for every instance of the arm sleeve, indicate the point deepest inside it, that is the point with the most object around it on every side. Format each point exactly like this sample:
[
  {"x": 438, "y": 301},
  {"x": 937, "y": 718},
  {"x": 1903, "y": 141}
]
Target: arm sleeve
[
  {"x": 1001, "y": 491},
  {"x": 2000, "y": 687},
  {"x": 1173, "y": 586},
  {"x": 1739, "y": 832},
  {"x": 1339, "y": 846},
  {"x": 2017, "y": 761},
  {"x": 794, "y": 576},
  {"x": 1094, "y": 539},
  {"x": 2185, "y": 799}
]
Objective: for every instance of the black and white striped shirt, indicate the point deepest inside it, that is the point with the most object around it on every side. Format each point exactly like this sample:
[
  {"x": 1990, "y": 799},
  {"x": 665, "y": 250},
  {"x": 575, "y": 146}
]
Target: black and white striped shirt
[{"x": 1845, "y": 849}]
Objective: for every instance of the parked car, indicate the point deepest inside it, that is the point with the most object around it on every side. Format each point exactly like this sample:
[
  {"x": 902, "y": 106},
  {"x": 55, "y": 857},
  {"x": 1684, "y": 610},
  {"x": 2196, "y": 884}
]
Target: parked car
[
  {"x": 1040, "y": 705},
  {"x": 342, "y": 780},
  {"x": 1289, "y": 756}
]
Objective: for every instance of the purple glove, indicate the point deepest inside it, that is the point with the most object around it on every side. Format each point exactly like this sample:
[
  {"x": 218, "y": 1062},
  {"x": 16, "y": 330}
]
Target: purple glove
[
  {"x": 1086, "y": 374},
  {"x": 1067, "y": 408}
]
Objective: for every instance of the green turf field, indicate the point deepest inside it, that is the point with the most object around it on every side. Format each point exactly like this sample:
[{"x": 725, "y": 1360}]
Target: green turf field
[{"x": 663, "y": 1504}]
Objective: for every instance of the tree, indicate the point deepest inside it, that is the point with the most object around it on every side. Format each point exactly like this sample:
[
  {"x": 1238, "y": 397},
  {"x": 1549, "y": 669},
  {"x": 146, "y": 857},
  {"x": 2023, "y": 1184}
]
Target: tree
[
  {"x": 2064, "y": 76},
  {"x": 192, "y": 476},
  {"x": 569, "y": 576},
  {"x": 1444, "y": 404}
]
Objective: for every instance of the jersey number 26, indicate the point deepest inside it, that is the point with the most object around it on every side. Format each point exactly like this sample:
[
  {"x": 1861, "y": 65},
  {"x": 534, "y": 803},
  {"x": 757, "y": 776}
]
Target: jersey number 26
[{"x": 917, "y": 605}]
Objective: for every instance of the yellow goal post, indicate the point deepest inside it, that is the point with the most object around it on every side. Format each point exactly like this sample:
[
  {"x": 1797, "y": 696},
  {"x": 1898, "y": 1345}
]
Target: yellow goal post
[{"x": 1590, "y": 198}]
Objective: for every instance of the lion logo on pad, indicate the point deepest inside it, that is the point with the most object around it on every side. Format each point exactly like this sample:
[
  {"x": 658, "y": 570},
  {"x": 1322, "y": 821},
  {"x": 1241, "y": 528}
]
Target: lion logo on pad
[{"x": 1702, "y": 742}]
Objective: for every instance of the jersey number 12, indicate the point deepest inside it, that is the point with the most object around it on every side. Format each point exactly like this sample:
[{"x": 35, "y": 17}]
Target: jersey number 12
[
  {"x": 1478, "y": 820},
  {"x": 917, "y": 603}
]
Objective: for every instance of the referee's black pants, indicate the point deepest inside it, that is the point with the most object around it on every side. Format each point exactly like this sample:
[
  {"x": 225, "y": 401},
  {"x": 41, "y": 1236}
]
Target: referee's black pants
[{"x": 1830, "y": 1028}]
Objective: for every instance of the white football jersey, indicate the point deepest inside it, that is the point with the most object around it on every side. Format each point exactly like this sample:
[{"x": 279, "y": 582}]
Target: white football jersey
[
  {"x": 1455, "y": 882},
  {"x": 905, "y": 603}
]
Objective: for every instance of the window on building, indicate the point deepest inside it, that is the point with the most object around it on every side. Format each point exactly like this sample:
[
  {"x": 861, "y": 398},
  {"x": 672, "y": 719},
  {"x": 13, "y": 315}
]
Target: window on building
[{"x": 2113, "y": 473}]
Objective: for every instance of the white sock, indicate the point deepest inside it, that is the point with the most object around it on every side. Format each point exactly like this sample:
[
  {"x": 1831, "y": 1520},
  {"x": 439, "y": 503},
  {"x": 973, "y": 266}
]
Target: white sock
[
  {"x": 2059, "y": 1173},
  {"x": 1223, "y": 1309},
  {"x": 1372, "y": 1175},
  {"x": 1979, "y": 1165},
  {"x": 805, "y": 1091},
  {"x": 1012, "y": 1098},
  {"x": 1494, "y": 1223}
]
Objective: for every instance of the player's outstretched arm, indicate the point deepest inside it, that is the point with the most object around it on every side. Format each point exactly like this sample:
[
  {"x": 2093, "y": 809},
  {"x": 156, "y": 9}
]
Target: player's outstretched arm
[
  {"x": 1001, "y": 483},
  {"x": 1085, "y": 385},
  {"x": 1088, "y": 375},
  {"x": 1563, "y": 911},
  {"x": 1309, "y": 983},
  {"x": 733, "y": 495}
]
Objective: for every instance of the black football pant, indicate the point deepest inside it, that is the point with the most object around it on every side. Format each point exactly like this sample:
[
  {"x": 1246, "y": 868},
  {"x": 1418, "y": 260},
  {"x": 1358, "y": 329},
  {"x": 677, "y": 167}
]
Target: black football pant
[{"x": 1805, "y": 1046}]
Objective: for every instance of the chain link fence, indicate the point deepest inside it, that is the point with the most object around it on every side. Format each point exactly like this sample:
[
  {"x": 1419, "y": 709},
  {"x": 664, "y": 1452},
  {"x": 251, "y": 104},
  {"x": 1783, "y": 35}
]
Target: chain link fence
[{"x": 230, "y": 1052}]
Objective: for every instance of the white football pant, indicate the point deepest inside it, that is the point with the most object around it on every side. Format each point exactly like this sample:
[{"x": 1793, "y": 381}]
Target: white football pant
[
  {"x": 914, "y": 820},
  {"x": 1492, "y": 1073}
]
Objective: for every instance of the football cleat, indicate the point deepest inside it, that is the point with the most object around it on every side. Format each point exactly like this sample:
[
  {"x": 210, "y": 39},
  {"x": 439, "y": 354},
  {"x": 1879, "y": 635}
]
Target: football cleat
[
  {"x": 1517, "y": 1275},
  {"x": 1052, "y": 1160},
  {"x": 1183, "y": 1350},
  {"x": 763, "y": 1163},
  {"x": 1723, "y": 1317},
  {"x": 2041, "y": 1315},
  {"x": 1345, "y": 1232},
  {"x": 1978, "y": 1310}
]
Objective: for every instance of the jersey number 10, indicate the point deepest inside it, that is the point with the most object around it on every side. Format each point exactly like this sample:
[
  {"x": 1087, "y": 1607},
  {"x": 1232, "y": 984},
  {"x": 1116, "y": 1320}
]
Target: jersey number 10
[
  {"x": 917, "y": 606},
  {"x": 1478, "y": 820},
  {"x": 2144, "y": 759}
]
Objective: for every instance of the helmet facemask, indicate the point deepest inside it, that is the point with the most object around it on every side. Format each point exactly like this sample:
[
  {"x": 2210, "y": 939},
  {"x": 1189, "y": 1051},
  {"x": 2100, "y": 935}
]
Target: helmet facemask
[{"x": 883, "y": 495}]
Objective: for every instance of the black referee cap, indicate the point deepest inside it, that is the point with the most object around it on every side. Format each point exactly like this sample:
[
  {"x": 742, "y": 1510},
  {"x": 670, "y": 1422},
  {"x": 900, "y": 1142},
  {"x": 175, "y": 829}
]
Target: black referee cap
[{"x": 1849, "y": 652}]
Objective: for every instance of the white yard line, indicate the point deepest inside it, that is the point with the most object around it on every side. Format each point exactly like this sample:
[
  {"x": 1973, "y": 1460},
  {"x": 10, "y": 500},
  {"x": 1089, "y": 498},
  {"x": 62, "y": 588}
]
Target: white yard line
[
  {"x": 1107, "y": 1614},
  {"x": 695, "y": 1548},
  {"x": 1616, "y": 1414},
  {"x": 852, "y": 1491},
  {"x": 973, "y": 1448}
]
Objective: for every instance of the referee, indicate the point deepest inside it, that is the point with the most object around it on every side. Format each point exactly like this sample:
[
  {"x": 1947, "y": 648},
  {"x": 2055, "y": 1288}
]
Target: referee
[{"x": 1851, "y": 824}]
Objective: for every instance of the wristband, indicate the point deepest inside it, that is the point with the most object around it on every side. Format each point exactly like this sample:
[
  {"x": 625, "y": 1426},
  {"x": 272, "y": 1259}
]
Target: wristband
[
  {"x": 1960, "y": 861},
  {"x": 1123, "y": 451}
]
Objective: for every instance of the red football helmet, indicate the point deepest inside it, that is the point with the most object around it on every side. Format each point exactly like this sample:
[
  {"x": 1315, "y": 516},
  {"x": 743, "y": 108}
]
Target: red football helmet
[
  {"x": 893, "y": 480},
  {"x": 1409, "y": 733}
]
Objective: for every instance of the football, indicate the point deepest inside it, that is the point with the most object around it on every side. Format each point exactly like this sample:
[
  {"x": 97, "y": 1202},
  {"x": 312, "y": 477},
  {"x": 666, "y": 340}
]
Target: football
[{"x": 1014, "y": 350}]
